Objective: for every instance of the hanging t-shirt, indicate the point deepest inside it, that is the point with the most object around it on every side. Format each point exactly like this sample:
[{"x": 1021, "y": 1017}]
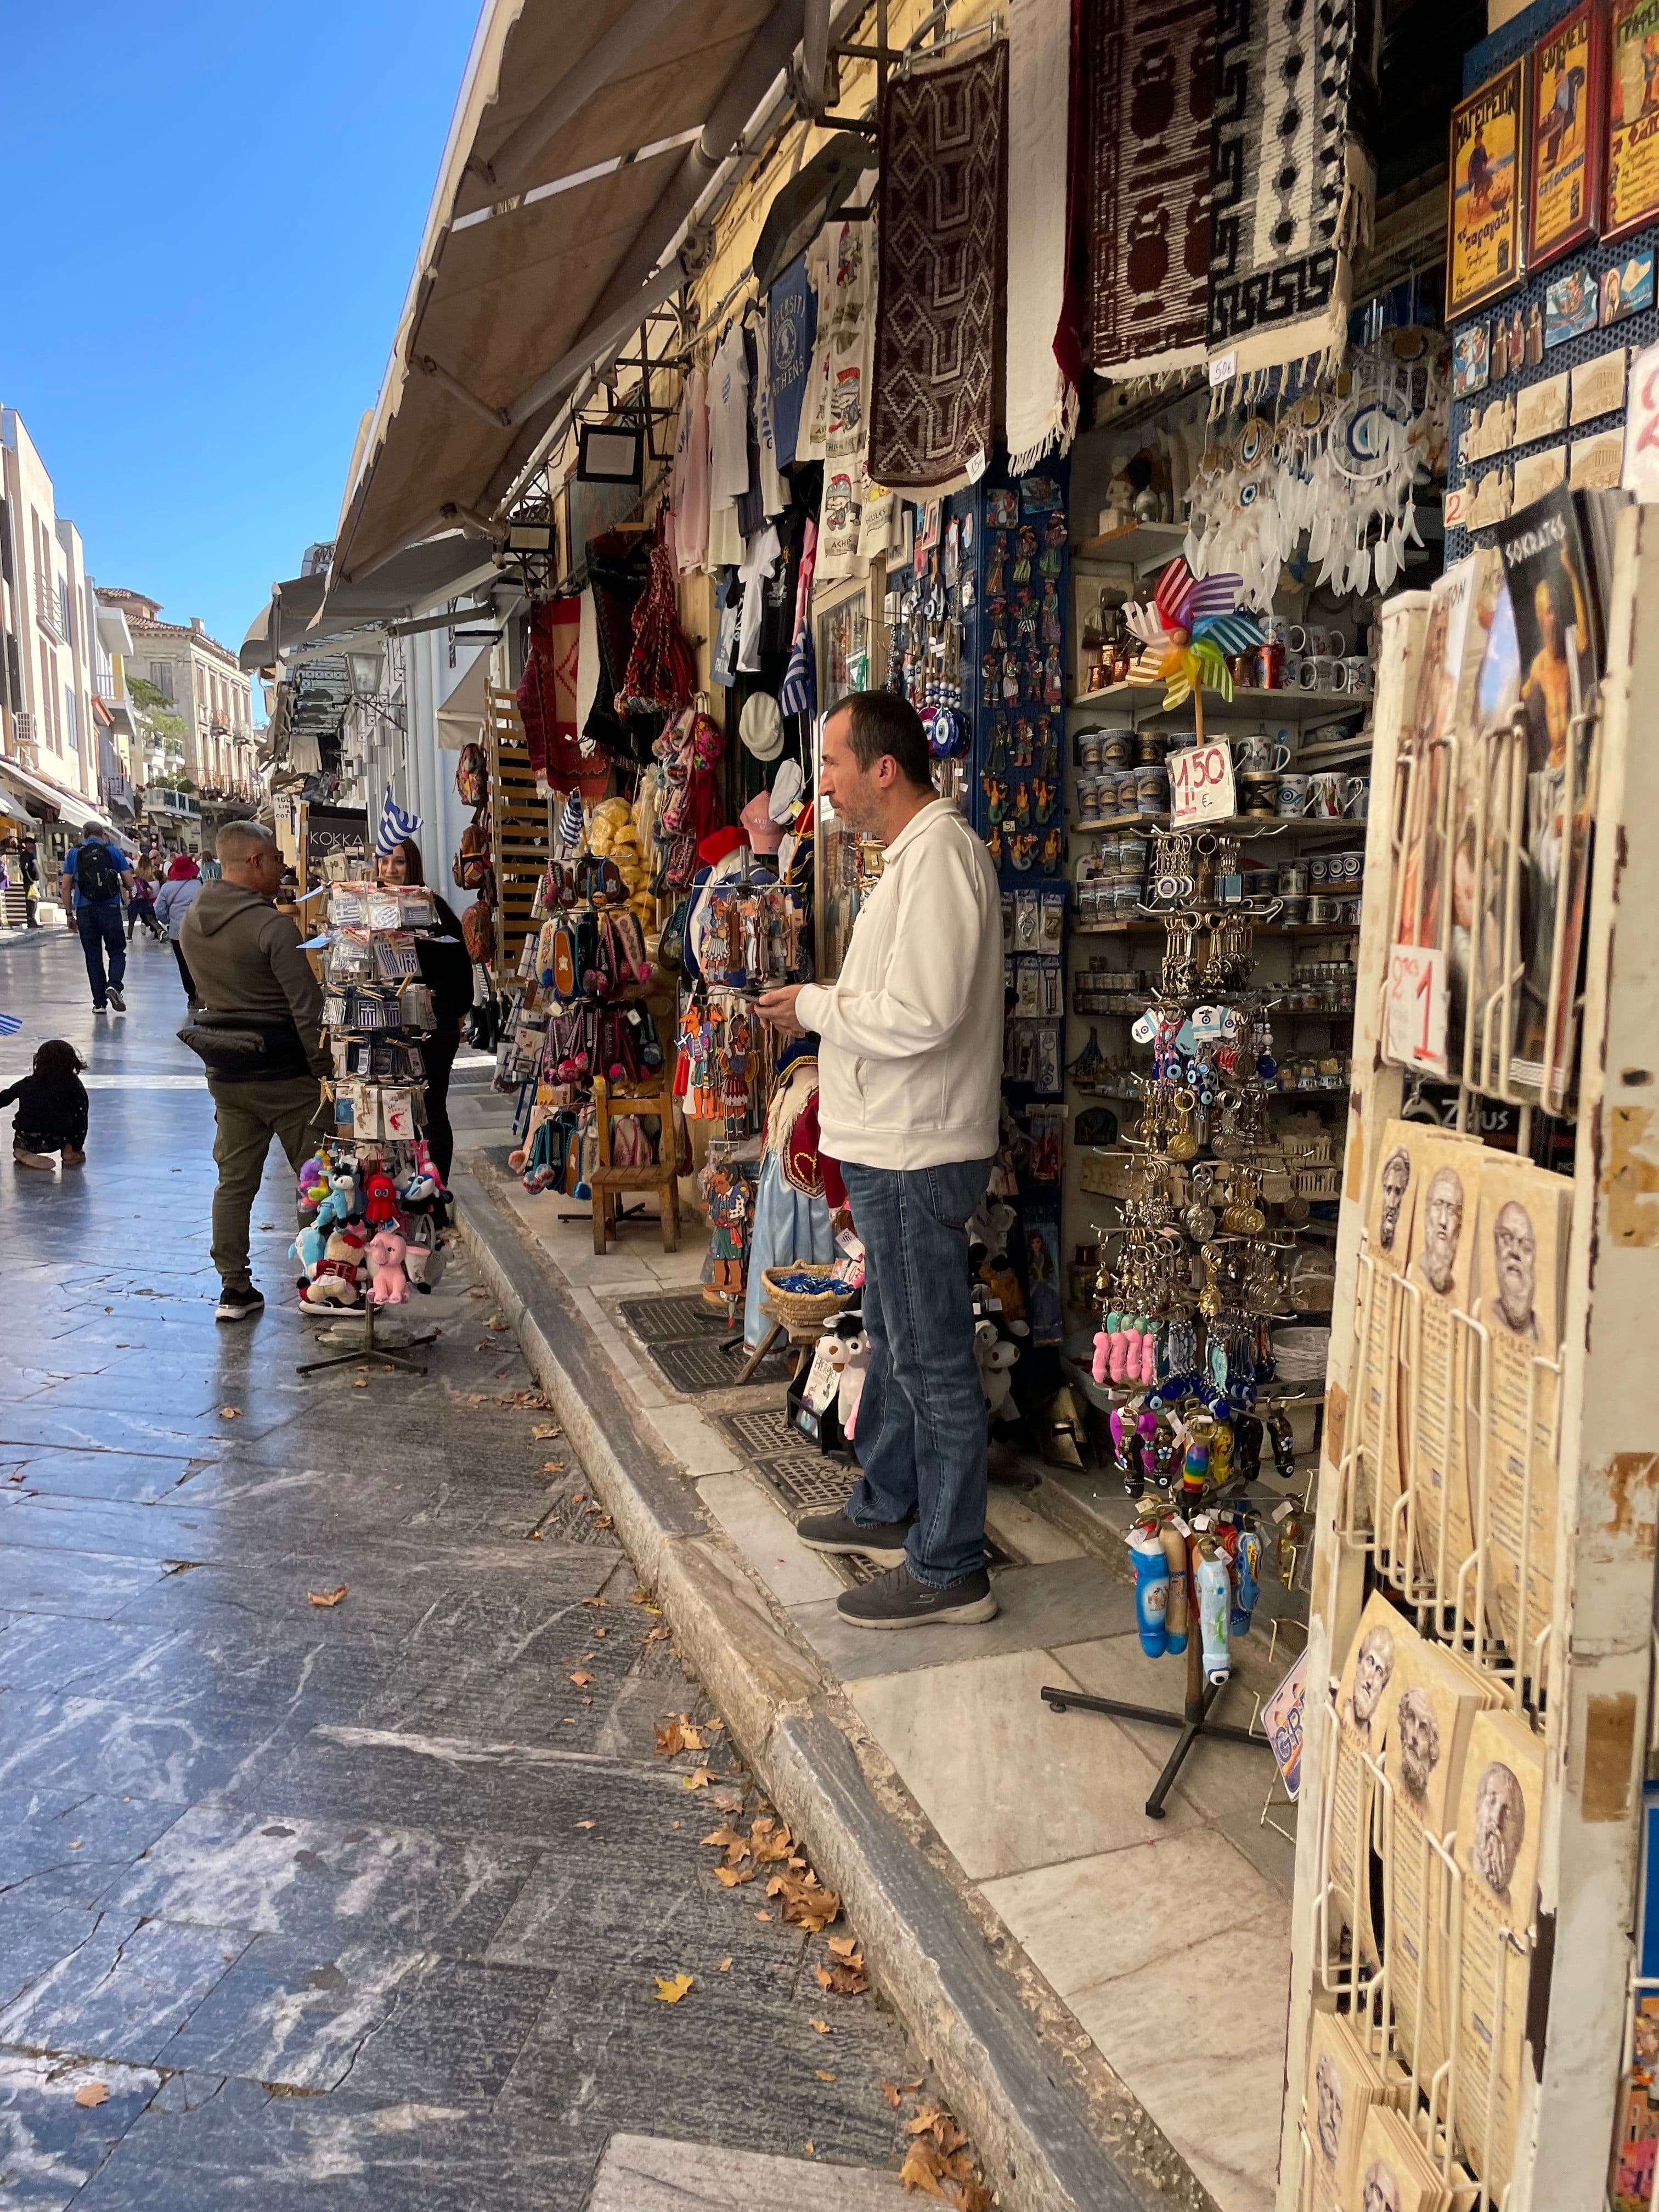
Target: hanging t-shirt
[
  {"x": 691, "y": 487},
  {"x": 759, "y": 558},
  {"x": 774, "y": 486},
  {"x": 845, "y": 395},
  {"x": 729, "y": 422},
  {"x": 751, "y": 508},
  {"x": 792, "y": 324},
  {"x": 815, "y": 392}
]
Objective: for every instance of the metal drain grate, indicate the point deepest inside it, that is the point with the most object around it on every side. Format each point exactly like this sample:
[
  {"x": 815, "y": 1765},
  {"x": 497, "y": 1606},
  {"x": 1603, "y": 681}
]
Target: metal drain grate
[
  {"x": 696, "y": 1367},
  {"x": 673, "y": 1319},
  {"x": 806, "y": 1483},
  {"x": 762, "y": 1435}
]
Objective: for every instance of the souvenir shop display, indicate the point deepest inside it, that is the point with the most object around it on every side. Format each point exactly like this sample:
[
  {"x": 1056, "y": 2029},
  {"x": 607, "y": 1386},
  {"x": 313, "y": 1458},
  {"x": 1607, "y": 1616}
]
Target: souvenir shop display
[
  {"x": 371, "y": 1201},
  {"x": 1186, "y": 1289}
]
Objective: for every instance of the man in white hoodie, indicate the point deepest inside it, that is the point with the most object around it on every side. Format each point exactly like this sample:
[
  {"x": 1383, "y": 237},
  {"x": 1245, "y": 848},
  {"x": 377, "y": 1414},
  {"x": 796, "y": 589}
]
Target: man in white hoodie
[{"x": 909, "y": 1085}]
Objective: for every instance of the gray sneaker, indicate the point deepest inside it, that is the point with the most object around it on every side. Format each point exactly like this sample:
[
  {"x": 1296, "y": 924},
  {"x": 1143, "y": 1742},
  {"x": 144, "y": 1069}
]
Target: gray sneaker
[
  {"x": 897, "y": 1600},
  {"x": 117, "y": 1000},
  {"x": 880, "y": 1541}
]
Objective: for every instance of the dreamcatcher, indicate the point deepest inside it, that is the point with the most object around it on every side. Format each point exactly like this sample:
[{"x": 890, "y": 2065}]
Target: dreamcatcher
[{"x": 1188, "y": 627}]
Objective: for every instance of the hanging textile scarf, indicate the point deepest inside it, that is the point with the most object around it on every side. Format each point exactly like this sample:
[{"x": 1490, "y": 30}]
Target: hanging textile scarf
[{"x": 661, "y": 674}]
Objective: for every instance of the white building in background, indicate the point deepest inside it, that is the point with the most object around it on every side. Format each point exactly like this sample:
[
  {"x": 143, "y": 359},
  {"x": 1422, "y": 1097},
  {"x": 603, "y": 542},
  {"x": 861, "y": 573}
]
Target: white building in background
[{"x": 48, "y": 642}]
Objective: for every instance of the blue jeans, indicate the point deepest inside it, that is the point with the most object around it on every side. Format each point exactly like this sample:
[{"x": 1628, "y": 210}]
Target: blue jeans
[
  {"x": 920, "y": 1434},
  {"x": 100, "y": 933}
]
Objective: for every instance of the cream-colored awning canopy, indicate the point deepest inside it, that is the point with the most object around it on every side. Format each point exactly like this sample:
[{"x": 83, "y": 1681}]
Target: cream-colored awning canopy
[{"x": 581, "y": 142}]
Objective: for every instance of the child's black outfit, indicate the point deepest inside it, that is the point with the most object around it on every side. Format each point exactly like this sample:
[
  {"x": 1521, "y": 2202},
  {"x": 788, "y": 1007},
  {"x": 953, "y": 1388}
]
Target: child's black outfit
[{"x": 51, "y": 1112}]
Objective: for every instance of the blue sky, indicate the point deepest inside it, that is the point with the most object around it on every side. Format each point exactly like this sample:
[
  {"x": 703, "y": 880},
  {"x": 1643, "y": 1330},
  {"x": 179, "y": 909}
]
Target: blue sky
[{"x": 210, "y": 216}]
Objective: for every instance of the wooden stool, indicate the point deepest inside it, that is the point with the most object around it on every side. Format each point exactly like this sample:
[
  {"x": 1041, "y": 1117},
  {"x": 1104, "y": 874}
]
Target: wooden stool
[{"x": 608, "y": 1181}]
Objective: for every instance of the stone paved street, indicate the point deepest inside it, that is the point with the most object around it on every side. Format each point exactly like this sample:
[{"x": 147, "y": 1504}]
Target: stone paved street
[{"x": 360, "y": 1904}]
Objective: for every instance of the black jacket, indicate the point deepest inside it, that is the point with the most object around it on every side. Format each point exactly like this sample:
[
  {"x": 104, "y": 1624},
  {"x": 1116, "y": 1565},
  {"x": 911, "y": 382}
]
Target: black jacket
[{"x": 50, "y": 1106}]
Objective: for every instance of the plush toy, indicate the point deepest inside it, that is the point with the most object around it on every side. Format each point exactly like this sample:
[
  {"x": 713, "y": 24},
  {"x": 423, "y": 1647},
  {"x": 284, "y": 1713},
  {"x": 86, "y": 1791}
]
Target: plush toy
[
  {"x": 335, "y": 1283},
  {"x": 347, "y": 1198},
  {"x": 850, "y": 1389},
  {"x": 385, "y": 1256},
  {"x": 379, "y": 1200},
  {"x": 314, "y": 1182},
  {"x": 308, "y": 1248}
]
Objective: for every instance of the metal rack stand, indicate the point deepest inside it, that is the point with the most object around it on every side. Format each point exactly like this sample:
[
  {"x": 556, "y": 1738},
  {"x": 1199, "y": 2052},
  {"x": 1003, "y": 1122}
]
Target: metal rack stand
[
  {"x": 1193, "y": 1720},
  {"x": 369, "y": 1352}
]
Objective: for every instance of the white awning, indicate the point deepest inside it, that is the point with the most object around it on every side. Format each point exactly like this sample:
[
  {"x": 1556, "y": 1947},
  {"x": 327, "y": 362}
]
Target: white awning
[
  {"x": 77, "y": 812},
  {"x": 570, "y": 170},
  {"x": 461, "y": 717},
  {"x": 308, "y": 609}
]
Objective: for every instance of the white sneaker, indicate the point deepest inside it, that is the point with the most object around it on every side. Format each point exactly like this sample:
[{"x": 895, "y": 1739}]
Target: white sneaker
[
  {"x": 117, "y": 1000},
  {"x": 22, "y": 1159}
]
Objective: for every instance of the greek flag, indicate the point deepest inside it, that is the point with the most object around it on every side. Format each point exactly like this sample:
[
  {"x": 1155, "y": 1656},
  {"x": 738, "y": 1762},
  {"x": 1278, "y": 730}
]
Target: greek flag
[
  {"x": 394, "y": 826},
  {"x": 10, "y": 1024},
  {"x": 798, "y": 692},
  {"x": 570, "y": 822}
]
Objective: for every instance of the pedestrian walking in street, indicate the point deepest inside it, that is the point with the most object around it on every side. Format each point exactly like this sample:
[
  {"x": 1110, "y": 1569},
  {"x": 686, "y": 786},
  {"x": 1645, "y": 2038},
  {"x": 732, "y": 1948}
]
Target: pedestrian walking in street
[
  {"x": 52, "y": 1109},
  {"x": 446, "y": 968},
  {"x": 141, "y": 907},
  {"x": 258, "y": 1033},
  {"x": 910, "y": 1075},
  {"x": 95, "y": 873},
  {"x": 177, "y": 896},
  {"x": 28, "y": 868}
]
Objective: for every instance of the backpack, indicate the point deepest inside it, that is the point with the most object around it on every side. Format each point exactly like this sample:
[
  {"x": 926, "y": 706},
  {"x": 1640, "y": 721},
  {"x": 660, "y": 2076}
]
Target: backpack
[
  {"x": 96, "y": 877},
  {"x": 471, "y": 866},
  {"x": 472, "y": 776}
]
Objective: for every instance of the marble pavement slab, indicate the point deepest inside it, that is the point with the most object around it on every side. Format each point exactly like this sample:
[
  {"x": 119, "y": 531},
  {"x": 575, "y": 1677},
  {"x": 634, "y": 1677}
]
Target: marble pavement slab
[{"x": 652, "y": 2173}]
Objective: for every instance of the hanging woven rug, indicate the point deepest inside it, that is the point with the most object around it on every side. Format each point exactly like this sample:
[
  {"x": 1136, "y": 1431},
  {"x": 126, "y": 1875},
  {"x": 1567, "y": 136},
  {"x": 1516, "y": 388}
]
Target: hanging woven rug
[
  {"x": 1152, "y": 74},
  {"x": 1292, "y": 188},
  {"x": 944, "y": 133}
]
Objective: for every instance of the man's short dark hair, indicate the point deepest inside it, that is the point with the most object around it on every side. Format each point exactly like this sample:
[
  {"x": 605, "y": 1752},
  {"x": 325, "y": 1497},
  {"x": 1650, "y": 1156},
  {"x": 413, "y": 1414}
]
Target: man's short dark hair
[{"x": 882, "y": 722}]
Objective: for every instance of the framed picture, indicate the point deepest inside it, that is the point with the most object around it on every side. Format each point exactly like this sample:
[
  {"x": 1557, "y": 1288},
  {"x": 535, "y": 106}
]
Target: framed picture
[
  {"x": 1567, "y": 130},
  {"x": 1488, "y": 165},
  {"x": 1632, "y": 199},
  {"x": 1470, "y": 358},
  {"x": 1572, "y": 306}
]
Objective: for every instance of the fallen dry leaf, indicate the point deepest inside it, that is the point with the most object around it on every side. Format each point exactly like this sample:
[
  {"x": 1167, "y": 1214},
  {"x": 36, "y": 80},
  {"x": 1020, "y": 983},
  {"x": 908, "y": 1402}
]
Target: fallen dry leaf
[
  {"x": 699, "y": 1778},
  {"x": 822, "y": 2075},
  {"x": 762, "y": 1915},
  {"x": 75, "y": 1844},
  {"x": 534, "y": 1536},
  {"x": 545, "y": 1432},
  {"x": 807, "y": 2147},
  {"x": 822, "y": 2026},
  {"x": 669, "y": 1739},
  {"x": 973, "y": 2197},
  {"x": 361, "y": 1384},
  {"x": 690, "y": 1736},
  {"x": 932, "y": 2120},
  {"x": 326, "y": 1597},
  {"x": 556, "y": 1467},
  {"x": 733, "y": 1877},
  {"x": 230, "y": 1413},
  {"x": 891, "y": 2091},
  {"x": 842, "y": 1946},
  {"x": 595, "y": 1601},
  {"x": 601, "y": 1630},
  {"x": 91, "y": 2093},
  {"x": 584, "y": 1824},
  {"x": 655, "y": 1635},
  {"x": 672, "y": 1987},
  {"x": 725, "y": 1966},
  {"x": 581, "y": 1681},
  {"x": 843, "y": 1981},
  {"x": 644, "y": 1597},
  {"x": 806, "y": 1904},
  {"x": 922, "y": 2168}
]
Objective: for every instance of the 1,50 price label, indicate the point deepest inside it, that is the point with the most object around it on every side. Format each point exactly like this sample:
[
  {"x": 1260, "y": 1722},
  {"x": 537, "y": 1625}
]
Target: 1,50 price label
[{"x": 1201, "y": 784}]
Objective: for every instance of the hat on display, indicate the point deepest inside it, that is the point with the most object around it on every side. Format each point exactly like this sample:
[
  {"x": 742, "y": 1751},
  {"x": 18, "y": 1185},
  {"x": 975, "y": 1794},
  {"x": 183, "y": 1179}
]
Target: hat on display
[
  {"x": 787, "y": 786},
  {"x": 764, "y": 834},
  {"x": 719, "y": 844},
  {"x": 761, "y": 725}
]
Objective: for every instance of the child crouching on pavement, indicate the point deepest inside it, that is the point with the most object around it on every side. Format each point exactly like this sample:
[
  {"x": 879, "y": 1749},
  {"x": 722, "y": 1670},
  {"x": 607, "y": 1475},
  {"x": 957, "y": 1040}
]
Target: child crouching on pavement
[{"x": 52, "y": 1109}]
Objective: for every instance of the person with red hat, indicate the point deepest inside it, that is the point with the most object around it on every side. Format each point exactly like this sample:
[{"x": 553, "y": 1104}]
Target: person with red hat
[{"x": 910, "y": 1095}]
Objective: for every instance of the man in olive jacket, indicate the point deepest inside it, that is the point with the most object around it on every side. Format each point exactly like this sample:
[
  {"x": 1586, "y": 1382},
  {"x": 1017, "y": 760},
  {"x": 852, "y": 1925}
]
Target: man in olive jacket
[{"x": 247, "y": 964}]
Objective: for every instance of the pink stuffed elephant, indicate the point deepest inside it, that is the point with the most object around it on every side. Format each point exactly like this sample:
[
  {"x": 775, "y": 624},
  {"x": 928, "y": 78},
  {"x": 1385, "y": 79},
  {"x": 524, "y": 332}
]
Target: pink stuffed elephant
[{"x": 385, "y": 1256}]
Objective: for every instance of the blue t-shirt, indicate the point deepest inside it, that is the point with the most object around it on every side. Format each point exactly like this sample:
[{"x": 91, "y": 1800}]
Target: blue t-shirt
[
  {"x": 791, "y": 328},
  {"x": 122, "y": 867}
]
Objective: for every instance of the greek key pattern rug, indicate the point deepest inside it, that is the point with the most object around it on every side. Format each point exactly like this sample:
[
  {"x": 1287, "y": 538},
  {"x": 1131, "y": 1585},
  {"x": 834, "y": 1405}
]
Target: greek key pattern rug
[{"x": 944, "y": 134}]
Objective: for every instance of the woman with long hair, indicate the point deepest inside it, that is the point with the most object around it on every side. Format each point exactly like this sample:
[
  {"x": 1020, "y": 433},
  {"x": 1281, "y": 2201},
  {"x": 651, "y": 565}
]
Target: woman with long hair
[{"x": 447, "y": 969}]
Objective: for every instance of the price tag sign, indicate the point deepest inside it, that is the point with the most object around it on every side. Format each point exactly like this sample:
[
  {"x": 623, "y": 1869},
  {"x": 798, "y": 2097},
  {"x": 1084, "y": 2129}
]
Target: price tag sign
[
  {"x": 1414, "y": 1028},
  {"x": 1201, "y": 784}
]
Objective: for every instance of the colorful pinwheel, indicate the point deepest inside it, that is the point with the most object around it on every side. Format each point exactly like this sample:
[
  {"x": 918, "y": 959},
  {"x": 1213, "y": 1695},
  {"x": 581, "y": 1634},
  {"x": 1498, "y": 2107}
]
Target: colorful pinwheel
[{"x": 1188, "y": 627}]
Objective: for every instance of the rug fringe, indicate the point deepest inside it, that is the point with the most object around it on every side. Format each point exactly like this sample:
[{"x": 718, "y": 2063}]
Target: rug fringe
[{"x": 1056, "y": 437}]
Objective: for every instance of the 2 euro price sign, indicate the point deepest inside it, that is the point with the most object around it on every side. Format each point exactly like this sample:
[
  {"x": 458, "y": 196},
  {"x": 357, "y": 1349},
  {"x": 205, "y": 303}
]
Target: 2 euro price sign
[{"x": 1201, "y": 784}]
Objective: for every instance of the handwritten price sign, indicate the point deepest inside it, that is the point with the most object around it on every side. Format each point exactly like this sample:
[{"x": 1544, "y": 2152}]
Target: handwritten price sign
[
  {"x": 1414, "y": 1031},
  {"x": 1201, "y": 784}
]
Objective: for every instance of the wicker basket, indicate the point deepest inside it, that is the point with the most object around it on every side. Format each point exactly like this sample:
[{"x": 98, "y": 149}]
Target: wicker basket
[{"x": 803, "y": 1309}]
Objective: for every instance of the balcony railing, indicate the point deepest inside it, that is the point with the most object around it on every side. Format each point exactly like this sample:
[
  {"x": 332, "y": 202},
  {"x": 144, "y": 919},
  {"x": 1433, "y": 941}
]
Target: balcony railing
[{"x": 104, "y": 680}]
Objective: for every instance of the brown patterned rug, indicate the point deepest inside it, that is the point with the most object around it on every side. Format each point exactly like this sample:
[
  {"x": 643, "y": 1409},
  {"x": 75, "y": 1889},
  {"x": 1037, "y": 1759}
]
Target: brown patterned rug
[
  {"x": 1151, "y": 65},
  {"x": 943, "y": 135}
]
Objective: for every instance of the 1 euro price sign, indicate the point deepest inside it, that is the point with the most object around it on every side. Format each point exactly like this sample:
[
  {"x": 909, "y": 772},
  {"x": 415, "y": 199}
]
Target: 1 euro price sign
[
  {"x": 1414, "y": 1026},
  {"x": 1201, "y": 784}
]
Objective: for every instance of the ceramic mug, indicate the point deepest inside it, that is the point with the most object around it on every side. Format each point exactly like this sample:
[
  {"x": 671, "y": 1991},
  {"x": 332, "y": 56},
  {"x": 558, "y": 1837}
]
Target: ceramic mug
[
  {"x": 1356, "y": 798},
  {"x": 1260, "y": 752},
  {"x": 1087, "y": 749},
  {"x": 1150, "y": 746},
  {"x": 1306, "y": 673},
  {"x": 1292, "y": 879},
  {"x": 1325, "y": 794},
  {"x": 1358, "y": 684},
  {"x": 1325, "y": 909},
  {"x": 1296, "y": 639},
  {"x": 1319, "y": 642},
  {"x": 1292, "y": 794},
  {"x": 1319, "y": 865},
  {"x": 1152, "y": 790},
  {"x": 1258, "y": 792},
  {"x": 1293, "y": 909},
  {"x": 1117, "y": 748},
  {"x": 1353, "y": 866},
  {"x": 1088, "y": 799},
  {"x": 1278, "y": 630}
]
